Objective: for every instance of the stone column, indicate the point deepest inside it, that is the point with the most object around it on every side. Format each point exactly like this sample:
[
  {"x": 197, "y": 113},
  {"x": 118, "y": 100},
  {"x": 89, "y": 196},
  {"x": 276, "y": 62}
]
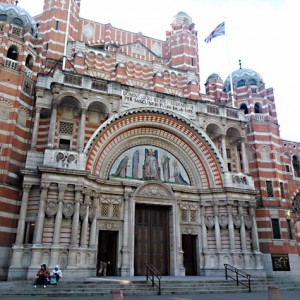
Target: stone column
[
  {"x": 255, "y": 241},
  {"x": 39, "y": 223},
  {"x": 237, "y": 159},
  {"x": 231, "y": 228},
  {"x": 81, "y": 130},
  {"x": 203, "y": 229},
  {"x": 75, "y": 221},
  {"x": 217, "y": 227},
  {"x": 242, "y": 229},
  {"x": 58, "y": 217},
  {"x": 35, "y": 128},
  {"x": 224, "y": 152},
  {"x": 244, "y": 157},
  {"x": 52, "y": 125},
  {"x": 126, "y": 229},
  {"x": 22, "y": 215},
  {"x": 85, "y": 222},
  {"x": 94, "y": 216},
  {"x": 177, "y": 239}
]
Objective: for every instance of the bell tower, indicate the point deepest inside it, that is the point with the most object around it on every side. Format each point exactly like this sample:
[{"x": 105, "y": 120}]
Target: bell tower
[{"x": 59, "y": 24}]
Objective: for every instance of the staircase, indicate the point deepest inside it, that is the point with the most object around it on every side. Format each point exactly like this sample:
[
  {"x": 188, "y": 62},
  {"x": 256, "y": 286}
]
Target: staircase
[{"x": 138, "y": 286}]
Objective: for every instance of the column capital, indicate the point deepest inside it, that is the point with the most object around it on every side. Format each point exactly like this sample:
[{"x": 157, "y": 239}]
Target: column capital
[
  {"x": 44, "y": 185},
  {"x": 62, "y": 187},
  {"x": 27, "y": 187}
]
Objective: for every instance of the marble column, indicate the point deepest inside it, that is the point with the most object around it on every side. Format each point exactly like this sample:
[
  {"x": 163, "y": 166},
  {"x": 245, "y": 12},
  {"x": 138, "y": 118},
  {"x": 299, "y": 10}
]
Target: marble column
[
  {"x": 52, "y": 125},
  {"x": 85, "y": 222},
  {"x": 244, "y": 157},
  {"x": 203, "y": 229},
  {"x": 22, "y": 215},
  {"x": 255, "y": 240},
  {"x": 237, "y": 159},
  {"x": 224, "y": 152},
  {"x": 94, "y": 217},
  {"x": 125, "y": 246},
  {"x": 35, "y": 128},
  {"x": 81, "y": 133},
  {"x": 217, "y": 228},
  {"x": 58, "y": 217},
  {"x": 231, "y": 228},
  {"x": 75, "y": 221},
  {"x": 39, "y": 223},
  {"x": 242, "y": 229}
]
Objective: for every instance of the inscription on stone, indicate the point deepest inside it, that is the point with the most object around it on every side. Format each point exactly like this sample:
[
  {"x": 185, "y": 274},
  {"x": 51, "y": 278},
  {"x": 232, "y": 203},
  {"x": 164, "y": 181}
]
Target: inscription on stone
[{"x": 134, "y": 100}]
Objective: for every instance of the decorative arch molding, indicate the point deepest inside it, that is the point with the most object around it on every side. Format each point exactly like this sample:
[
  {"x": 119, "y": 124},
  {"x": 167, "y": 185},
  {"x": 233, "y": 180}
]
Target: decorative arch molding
[
  {"x": 74, "y": 95},
  {"x": 154, "y": 189},
  {"x": 171, "y": 132}
]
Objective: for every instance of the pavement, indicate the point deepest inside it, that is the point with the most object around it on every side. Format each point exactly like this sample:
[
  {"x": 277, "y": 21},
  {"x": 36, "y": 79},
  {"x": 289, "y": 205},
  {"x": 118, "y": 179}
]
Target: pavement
[{"x": 284, "y": 295}]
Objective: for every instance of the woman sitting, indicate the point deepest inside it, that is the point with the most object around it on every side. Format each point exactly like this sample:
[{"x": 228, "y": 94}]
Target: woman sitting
[{"x": 42, "y": 276}]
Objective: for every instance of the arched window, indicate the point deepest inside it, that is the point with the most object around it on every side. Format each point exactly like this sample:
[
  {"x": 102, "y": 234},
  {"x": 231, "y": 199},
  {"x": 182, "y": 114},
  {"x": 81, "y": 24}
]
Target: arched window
[
  {"x": 252, "y": 81},
  {"x": 12, "y": 53},
  {"x": 270, "y": 110},
  {"x": 29, "y": 61},
  {"x": 3, "y": 17},
  {"x": 241, "y": 82},
  {"x": 18, "y": 22},
  {"x": 296, "y": 166},
  {"x": 244, "y": 108},
  {"x": 257, "y": 108}
]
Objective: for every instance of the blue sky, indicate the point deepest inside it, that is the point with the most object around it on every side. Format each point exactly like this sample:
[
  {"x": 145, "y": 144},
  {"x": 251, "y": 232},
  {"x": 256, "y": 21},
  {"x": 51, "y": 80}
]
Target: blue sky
[{"x": 262, "y": 33}]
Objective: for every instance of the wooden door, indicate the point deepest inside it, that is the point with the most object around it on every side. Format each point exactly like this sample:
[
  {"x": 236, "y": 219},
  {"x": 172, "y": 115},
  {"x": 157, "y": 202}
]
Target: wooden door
[
  {"x": 189, "y": 254},
  {"x": 151, "y": 239}
]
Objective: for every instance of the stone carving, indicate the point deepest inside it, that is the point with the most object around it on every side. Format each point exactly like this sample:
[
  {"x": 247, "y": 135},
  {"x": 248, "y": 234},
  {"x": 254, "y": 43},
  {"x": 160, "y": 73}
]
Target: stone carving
[
  {"x": 248, "y": 222},
  {"x": 209, "y": 221},
  {"x": 65, "y": 159},
  {"x": 236, "y": 220},
  {"x": 68, "y": 210},
  {"x": 155, "y": 191},
  {"x": 223, "y": 221},
  {"x": 51, "y": 208},
  {"x": 92, "y": 213},
  {"x": 83, "y": 210},
  {"x": 239, "y": 179}
]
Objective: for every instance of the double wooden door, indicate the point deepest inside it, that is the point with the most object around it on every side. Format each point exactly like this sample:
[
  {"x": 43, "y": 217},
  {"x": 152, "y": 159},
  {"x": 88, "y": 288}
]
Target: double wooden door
[{"x": 152, "y": 239}]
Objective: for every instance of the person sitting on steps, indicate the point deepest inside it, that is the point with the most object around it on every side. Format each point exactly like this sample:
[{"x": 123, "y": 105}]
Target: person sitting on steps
[
  {"x": 42, "y": 276},
  {"x": 56, "y": 273}
]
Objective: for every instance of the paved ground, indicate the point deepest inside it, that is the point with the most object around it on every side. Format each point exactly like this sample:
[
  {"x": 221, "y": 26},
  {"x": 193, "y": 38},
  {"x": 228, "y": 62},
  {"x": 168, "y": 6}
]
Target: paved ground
[{"x": 285, "y": 295}]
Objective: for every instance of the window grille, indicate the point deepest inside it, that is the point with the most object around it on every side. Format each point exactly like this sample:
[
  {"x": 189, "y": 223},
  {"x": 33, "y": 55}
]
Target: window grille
[
  {"x": 193, "y": 215},
  {"x": 269, "y": 189},
  {"x": 184, "y": 215},
  {"x": 66, "y": 128},
  {"x": 228, "y": 152},
  {"x": 115, "y": 210},
  {"x": 104, "y": 209},
  {"x": 100, "y": 86}
]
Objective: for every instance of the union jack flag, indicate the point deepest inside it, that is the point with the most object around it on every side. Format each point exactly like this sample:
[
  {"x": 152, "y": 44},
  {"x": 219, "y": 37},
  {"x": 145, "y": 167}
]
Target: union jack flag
[{"x": 220, "y": 30}]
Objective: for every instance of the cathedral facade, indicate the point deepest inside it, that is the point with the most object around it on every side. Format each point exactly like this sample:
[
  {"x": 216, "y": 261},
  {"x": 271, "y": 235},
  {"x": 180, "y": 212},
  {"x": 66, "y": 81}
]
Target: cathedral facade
[{"x": 110, "y": 151}]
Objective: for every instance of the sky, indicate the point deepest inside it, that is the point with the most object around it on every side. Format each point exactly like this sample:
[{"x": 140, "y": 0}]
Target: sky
[{"x": 263, "y": 34}]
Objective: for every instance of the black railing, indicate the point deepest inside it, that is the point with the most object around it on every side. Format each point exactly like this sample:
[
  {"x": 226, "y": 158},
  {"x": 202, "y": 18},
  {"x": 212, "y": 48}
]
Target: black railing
[
  {"x": 236, "y": 274},
  {"x": 153, "y": 274}
]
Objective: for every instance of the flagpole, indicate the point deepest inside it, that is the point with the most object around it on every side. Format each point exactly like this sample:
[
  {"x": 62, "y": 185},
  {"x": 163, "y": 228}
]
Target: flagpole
[
  {"x": 67, "y": 36},
  {"x": 229, "y": 65}
]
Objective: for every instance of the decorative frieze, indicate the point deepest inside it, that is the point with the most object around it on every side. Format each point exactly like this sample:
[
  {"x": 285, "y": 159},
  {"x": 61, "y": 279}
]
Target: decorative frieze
[{"x": 51, "y": 208}]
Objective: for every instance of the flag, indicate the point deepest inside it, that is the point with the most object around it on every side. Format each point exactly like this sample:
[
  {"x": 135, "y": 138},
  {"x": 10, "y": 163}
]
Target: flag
[{"x": 220, "y": 30}]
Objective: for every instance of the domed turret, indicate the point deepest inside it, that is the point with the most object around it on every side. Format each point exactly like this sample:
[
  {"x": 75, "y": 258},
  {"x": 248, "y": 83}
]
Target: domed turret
[
  {"x": 243, "y": 77},
  {"x": 214, "y": 76},
  {"x": 18, "y": 16},
  {"x": 182, "y": 18}
]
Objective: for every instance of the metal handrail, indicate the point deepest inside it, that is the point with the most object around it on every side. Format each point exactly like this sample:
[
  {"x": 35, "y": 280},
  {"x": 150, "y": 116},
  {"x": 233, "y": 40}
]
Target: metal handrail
[
  {"x": 238, "y": 273},
  {"x": 152, "y": 272}
]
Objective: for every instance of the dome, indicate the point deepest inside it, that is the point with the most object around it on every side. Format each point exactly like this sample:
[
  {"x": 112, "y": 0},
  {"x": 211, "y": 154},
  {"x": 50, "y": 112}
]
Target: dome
[
  {"x": 214, "y": 76},
  {"x": 17, "y": 15},
  {"x": 243, "y": 77},
  {"x": 182, "y": 18}
]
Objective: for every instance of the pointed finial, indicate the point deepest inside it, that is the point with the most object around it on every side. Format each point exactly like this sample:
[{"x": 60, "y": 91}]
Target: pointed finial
[
  {"x": 240, "y": 63},
  {"x": 16, "y": 2}
]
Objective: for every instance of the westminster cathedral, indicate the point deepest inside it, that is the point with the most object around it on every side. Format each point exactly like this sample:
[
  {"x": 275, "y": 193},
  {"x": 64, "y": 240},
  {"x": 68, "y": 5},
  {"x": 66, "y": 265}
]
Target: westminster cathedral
[{"x": 109, "y": 148}]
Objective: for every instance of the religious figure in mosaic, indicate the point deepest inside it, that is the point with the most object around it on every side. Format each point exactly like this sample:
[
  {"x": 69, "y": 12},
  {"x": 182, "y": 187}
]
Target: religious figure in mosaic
[
  {"x": 165, "y": 167},
  {"x": 135, "y": 163},
  {"x": 177, "y": 174},
  {"x": 151, "y": 169},
  {"x": 122, "y": 167}
]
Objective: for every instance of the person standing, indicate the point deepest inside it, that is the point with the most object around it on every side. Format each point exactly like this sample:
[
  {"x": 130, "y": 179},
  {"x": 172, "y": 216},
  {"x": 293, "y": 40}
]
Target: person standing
[
  {"x": 42, "y": 275},
  {"x": 103, "y": 264}
]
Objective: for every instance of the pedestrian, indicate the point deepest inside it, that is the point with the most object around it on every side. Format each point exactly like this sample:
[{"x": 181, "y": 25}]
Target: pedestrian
[
  {"x": 103, "y": 264},
  {"x": 42, "y": 276},
  {"x": 56, "y": 274}
]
